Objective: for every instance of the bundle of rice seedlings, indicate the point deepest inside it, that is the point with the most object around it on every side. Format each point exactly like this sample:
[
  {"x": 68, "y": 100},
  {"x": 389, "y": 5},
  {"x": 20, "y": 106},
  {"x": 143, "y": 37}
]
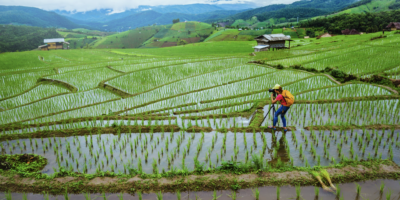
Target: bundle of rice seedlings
[
  {"x": 318, "y": 177},
  {"x": 325, "y": 174}
]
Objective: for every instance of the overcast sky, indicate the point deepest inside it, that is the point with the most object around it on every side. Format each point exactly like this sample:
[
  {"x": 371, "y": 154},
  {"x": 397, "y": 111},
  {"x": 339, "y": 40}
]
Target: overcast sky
[{"x": 119, "y": 5}]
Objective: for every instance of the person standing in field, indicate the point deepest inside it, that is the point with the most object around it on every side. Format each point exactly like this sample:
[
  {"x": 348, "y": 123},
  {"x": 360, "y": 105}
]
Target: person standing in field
[{"x": 286, "y": 99}]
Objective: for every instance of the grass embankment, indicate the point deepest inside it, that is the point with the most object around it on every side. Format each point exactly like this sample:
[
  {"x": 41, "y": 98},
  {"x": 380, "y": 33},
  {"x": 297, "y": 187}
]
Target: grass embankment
[{"x": 230, "y": 175}]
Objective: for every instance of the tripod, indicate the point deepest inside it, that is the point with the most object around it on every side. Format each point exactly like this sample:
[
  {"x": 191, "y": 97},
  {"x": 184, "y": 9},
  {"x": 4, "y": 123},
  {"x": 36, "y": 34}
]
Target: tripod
[{"x": 271, "y": 108}]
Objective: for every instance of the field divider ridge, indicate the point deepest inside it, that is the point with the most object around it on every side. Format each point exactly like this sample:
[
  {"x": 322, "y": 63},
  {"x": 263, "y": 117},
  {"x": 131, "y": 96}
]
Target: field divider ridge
[
  {"x": 62, "y": 83},
  {"x": 193, "y": 91},
  {"x": 159, "y": 86},
  {"x": 32, "y": 102}
]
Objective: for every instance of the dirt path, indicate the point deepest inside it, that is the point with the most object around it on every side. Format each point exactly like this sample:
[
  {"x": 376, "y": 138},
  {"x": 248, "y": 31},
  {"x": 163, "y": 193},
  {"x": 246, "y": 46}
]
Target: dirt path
[
  {"x": 334, "y": 80},
  {"x": 388, "y": 88}
]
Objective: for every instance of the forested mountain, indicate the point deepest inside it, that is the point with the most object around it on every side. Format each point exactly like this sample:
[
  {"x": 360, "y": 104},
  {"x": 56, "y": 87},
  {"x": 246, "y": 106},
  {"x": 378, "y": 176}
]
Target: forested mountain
[
  {"x": 152, "y": 17},
  {"x": 103, "y": 15},
  {"x": 303, "y": 8},
  {"x": 33, "y": 17},
  {"x": 21, "y": 38},
  {"x": 364, "y": 22}
]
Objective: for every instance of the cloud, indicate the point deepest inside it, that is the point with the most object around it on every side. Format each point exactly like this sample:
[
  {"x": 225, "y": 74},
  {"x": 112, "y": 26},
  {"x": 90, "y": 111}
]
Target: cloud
[{"x": 120, "y": 5}]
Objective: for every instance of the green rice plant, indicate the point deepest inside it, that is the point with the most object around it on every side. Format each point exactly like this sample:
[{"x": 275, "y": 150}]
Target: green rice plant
[
  {"x": 8, "y": 195},
  {"x": 298, "y": 191},
  {"x": 316, "y": 191},
  {"x": 338, "y": 191},
  {"x": 178, "y": 195},
  {"x": 87, "y": 196},
  {"x": 104, "y": 196},
  {"x": 121, "y": 196},
  {"x": 325, "y": 174},
  {"x": 66, "y": 194},
  {"x": 159, "y": 196},
  {"x": 25, "y": 196},
  {"x": 382, "y": 187},
  {"x": 233, "y": 195},
  {"x": 215, "y": 197},
  {"x": 358, "y": 189},
  {"x": 388, "y": 195},
  {"x": 318, "y": 177},
  {"x": 256, "y": 194},
  {"x": 278, "y": 192},
  {"x": 139, "y": 195}
]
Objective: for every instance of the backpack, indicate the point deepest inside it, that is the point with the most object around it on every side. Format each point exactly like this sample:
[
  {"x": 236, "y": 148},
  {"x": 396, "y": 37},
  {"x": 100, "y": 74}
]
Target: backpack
[{"x": 289, "y": 98}]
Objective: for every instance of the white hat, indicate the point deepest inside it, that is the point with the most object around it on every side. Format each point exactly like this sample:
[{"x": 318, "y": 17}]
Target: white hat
[{"x": 276, "y": 87}]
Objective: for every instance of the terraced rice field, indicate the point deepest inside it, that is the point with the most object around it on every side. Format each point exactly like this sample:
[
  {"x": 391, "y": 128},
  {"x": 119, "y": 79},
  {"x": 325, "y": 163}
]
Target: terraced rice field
[{"x": 135, "y": 119}]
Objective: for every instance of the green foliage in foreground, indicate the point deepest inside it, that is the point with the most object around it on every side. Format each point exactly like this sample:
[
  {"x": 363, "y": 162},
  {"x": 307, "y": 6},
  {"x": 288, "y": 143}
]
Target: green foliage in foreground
[
  {"x": 256, "y": 165},
  {"x": 22, "y": 38}
]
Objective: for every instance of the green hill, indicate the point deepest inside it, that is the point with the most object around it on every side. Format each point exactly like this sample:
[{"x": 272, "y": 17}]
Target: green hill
[
  {"x": 80, "y": 37},
  {"x": 22, "y": 38},
  {"x": 128, "y": 39},
  {"x": 21, "y": 15},
  {"x": 170, "y": 35},
  {"x": 371, "y": 6},
  {"x": 236, "y": 35}
]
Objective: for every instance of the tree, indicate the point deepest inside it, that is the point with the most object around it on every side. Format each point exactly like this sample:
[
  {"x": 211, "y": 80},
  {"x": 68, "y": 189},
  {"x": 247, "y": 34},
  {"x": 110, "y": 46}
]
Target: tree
[
  {"x": 310, "y": 33},
  {"x": 174, "y": 21},
  {"x": 181, "y": 42}
]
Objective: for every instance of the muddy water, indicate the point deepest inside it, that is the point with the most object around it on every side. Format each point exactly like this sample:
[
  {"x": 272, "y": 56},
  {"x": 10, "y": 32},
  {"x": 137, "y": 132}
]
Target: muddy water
[
  {"x": 369, "y": 190},
  {"x": 296, "y": 147}
]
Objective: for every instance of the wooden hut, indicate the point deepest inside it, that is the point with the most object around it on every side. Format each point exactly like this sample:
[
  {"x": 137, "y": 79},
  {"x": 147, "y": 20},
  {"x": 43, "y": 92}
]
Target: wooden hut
[
  {"x": 54, "y": 43},
  {"x": 271, "y": 41},
  {"x": 393, "y": 26}
]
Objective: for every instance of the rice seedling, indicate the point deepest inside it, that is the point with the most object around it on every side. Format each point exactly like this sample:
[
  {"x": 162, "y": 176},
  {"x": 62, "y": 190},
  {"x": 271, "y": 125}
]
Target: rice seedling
[
  {"x": 159, "y": 196},
  {"x": 318, "y": 177},
  {"x": 325, "y": 174},
  {"x": 338, "y": 191},
  {"x": 8, "y": 196},
  {"x": 316, "y": 191},
  {"x": 298, "y": 191},
  {"x": 215, "y": 197},
  {"x": 388, "y": 195},
  {"x": 139, "y": 195},
  {"x": 381, "y": 187},
  {"x": 358, "y": 189},
  {"x": 278, "y": 192},
  {"x": 256, "y": 194},
  {"x": 233, "y": 195}
]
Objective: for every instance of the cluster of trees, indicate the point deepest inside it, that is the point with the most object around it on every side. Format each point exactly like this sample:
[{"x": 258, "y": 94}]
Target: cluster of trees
[
  {"x": 22, "y": 38},
  {"x": 395, "y": 6},
  {"x": 358, "y": 3},
  {"x": 364, "y": 22},
  {"x": 174, "y": 21},
  {"x": 288, "y": 13}
]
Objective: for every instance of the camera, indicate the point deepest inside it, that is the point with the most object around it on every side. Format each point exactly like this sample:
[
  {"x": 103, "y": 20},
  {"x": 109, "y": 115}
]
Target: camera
[{"x": 271, "y": 90}]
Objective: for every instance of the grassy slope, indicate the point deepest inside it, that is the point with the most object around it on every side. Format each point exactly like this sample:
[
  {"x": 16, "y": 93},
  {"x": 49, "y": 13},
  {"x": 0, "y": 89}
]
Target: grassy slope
[
  {"x": 229, "y": 35},
  {"x": 127, "y": 39},
  {"x": 81, "y": 37},
  {"x": 170, "y": 35},
  {"x": 374, "y": 6},
  {"x": 240, "y": 48}
]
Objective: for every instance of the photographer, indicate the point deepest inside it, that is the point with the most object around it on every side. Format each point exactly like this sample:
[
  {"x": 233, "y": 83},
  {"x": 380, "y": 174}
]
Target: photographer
[{"x": 286, "y": 101}]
